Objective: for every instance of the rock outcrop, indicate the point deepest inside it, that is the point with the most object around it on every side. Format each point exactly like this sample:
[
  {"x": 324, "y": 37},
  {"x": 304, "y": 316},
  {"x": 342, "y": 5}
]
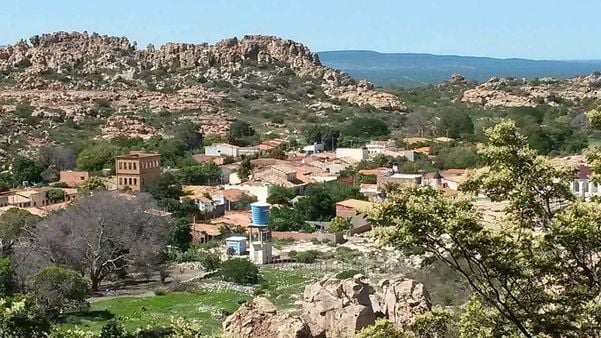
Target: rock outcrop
[
  {"x": 337, "y": 308},
  {"x": 91, "y": 61},
  {"x": 333, "y": 308},
  {"x": 259, "y": 318}
]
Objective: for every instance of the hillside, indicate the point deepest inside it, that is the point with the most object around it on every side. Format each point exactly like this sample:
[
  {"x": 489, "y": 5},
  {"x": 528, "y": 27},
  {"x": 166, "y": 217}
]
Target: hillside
[
  {"x": 63, "y": 87},
  {"x": 411, "y": 70}
]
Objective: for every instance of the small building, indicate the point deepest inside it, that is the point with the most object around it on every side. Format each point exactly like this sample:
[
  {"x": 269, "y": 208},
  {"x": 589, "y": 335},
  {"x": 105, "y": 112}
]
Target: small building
[
  {"x": 137, "y": 171},
  {"x": 204, "y": 232},
  {"x": 222, "y": 149},
  {"x": 356, "y": 154},
  {"x": 235, "y": 245},
  {"x": 583, "y": 186},
  {"x": 73, "y": 178},
  {"x": 314, "y": 148},
  {"x": 356, "y": 211},
  {"x": 379, "y": 147}
]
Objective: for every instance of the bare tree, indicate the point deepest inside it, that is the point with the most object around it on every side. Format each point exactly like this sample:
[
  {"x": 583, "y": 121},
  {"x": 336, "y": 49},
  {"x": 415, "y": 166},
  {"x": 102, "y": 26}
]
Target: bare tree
[
  {"x": 103, "y": 234},
  {"x": 57, "y": 157}
]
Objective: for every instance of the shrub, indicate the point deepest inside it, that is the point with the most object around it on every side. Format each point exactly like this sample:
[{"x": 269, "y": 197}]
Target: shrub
[
  {"x": 210, "y": 260},
  {"x": 240, "y": 271},
  {"x": 315, "y": 241},
  {"x": 112, "y": 329},
  {"x": 160, "y": 291},
  {"x": 7, "y": 280},
  {"x": 57, "y": 288},
  {"x": 307, "y": 256},
  {"x": 292, "y": 253},
  {"x": 348, "y": 274}
]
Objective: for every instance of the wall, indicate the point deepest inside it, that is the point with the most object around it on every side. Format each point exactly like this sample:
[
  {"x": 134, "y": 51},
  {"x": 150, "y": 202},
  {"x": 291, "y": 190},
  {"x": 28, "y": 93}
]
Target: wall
[
  {"x": 358, "y": 154},
  {"x": 302, "y": 236},
  {"x": 222, "y": 149},
  {"x": 73, "y": 178}
]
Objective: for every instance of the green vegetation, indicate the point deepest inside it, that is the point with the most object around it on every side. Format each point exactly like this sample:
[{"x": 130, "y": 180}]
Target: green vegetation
[
  {"x": 136, "y": 312},
  {"x": 239, "y": 271}
]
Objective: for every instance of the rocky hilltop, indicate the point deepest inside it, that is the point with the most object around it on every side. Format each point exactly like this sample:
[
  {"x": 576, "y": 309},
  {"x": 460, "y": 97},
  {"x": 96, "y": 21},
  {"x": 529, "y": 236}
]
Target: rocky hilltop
[
  {"x": 108, "y": 86},
  {"x": 512, "y": 92}
]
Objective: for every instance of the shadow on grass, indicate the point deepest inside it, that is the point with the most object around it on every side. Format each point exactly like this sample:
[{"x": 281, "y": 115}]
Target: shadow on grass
[{"x": 80, "y": 317}]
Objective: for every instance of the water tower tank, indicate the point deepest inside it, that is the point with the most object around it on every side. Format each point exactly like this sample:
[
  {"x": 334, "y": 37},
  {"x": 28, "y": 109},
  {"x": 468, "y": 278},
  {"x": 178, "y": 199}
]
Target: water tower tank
[{"x": 260, "y": 213}]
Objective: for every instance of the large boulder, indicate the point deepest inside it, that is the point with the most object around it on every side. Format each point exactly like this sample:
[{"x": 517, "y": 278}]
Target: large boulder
[
  {"x": 259, "y": 318},
  {"x": 337, "y": 308},
  {"x": 401, "y": 299}
]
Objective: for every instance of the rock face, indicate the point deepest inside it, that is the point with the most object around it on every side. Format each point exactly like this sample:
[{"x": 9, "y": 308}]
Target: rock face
[
  {"x": 259, "y": 318},
  {"x": 333, "y": 308},
  {"x": 511, "y": 92},
  {"x": 75, "y": 61}
]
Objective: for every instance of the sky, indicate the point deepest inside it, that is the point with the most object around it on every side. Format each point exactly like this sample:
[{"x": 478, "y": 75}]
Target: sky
[{"x": 550, "y": 29}]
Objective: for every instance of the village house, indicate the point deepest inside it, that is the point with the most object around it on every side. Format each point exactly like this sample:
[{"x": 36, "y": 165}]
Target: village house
[
  {"x": 379, "y": 147},
  {"x": 582, "y": 186},
  {"x": 73, "y": 178},
  {"x": 137, "y": 171},
  {"x": 222, "y": 149},
  {"x": 355, "y": 154},
  {"x": 356, "y": 211},
  {"x": 314, "y": 148}
]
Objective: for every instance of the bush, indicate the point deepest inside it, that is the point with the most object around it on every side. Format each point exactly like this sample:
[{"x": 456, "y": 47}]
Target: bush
[
  {"x": 160, "y": 291},
  {"x": 7, "y": 280},
  {"x": 240, "y": 271},
  {"x": 292, "y": 253},
  {"x": 58, "y": 288},
  {"x": 307, "y": 256},
  {"x": 315, "y": 241},
  {"x": 210, "y": 260},
  {"x": 348, "y": 274},
  {"x": 112, "y": 329}
]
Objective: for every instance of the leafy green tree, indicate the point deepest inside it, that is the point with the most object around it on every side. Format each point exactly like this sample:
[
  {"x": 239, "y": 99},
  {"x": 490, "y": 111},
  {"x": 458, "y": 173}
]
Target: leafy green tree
[
  {"x": 286, "y": 219},
  {"x": 13, "y": 223},
  {"x": 55, "y": 195},
  {"x": 113, "y": 329},
  {"x": 21, "y": 317},
  {"x": 7, "y": 278},
  {"x": 365, "y": 128},
  {"x": 168, "y": 186},
  {"x": 240, "y": 271},
  {"x": 25, "y": 170},
  {"x": 454, "y": 123},
  {"x": 383, "y": 328},
  {"x": 58, "y": 288},
  {"x": 457, "y": 157},
  {"x": 180, "y": 235},
  {"x": 239, "y": 133},
  {"x": 281, "y": 195},
  {"x": 91, "y": 184},
  {"x": 338, "y": 224},
  {"x": 546, "y": 242},
  {"x": 97, "y": 156},
  {"x": 187, "y": 132},
  {"x": 245, "y": 169},
  {"x": 200, "y": 174}
]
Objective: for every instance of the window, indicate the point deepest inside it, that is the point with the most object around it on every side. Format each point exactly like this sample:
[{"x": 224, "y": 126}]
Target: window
[
  {"x": 135, "y": 165},
  {"x": 129, "y": 181},
  {"x": 120, "y": 180},
  {"x": 81, "y": 178},
  {"x": 129, "y": 165},
  {"x": 120, "y": 165},
  {"x": 135, "y": 181}
]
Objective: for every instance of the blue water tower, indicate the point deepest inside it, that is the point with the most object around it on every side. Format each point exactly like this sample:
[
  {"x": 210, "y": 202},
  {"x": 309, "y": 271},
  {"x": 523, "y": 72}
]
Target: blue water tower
[{"x": 260, "y": 213}]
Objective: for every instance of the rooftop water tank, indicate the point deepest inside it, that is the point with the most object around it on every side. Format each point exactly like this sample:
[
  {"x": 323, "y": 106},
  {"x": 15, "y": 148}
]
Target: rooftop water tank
[{"x": 260, "y": 213}]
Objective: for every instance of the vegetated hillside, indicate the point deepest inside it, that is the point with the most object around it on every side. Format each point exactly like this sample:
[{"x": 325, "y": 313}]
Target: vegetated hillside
[
  {"x": 63, "y": 87},
  {"x": 413, "y": 69}
]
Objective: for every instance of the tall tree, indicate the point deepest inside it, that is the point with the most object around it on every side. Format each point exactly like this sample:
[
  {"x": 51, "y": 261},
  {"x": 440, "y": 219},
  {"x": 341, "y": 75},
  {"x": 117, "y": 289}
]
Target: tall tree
[
  {"x": 103, "y": 234},
  {"x": 535, "y": 273}
]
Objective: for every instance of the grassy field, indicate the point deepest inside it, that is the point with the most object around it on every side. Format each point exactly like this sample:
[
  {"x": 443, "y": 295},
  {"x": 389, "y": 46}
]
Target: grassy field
[{"x": 210, "y": 308}]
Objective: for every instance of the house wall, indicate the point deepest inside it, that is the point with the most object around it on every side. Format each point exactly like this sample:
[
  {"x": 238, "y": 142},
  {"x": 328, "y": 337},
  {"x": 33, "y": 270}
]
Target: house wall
[
  {"x": 73, "y": 178},
  {"x": 358, "y": 154},
  {"x": 222, "y": 149},
  {"x": 302, "y": 236},
  {"x": 137, "y": 174}
]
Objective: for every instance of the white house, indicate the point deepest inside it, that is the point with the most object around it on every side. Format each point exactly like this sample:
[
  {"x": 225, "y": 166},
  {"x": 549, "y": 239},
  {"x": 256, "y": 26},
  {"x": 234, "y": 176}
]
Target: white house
[
  {"x": 314, "y": 148},
  {"x": 222, "y": 149},
  {"x": 379, "y": 147},
  {"x": 356, "y": 154},
  {"x": 582, "y": 186}
]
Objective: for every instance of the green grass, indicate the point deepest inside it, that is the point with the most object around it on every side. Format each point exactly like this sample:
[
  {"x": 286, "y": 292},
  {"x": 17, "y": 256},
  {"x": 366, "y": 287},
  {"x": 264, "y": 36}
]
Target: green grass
[
  {"x": 136, "y": 312},
  {"x": 283, "y": 287}
]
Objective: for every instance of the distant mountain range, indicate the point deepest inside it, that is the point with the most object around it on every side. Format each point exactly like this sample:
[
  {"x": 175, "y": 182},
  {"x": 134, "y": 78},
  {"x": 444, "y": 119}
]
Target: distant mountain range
[{"x": 413, "y": 69}]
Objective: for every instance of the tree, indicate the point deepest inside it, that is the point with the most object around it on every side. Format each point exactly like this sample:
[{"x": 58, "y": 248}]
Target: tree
[
  {"x": 534, "y": 273},
  {"x": 280, "y": 195},
  {"x": 239, "y": 133},
  {"x": 454, "y": 123},
  {"x": 7, "y": 278},
  {"x": 25, "y": 170},
  {"x": 168, "y": 186},
  {"x": 383, "y": 328},
  {"x": 13, "y": 224},
  {"x": 199, "y": 174},
  {"x": 55, "y": 195},
  {"x": 97, "y": 156},
  {"x": 102, "y": 234},
  {"x": 338, "y": 224},
  {"x": 180, "y": 235},
  {"x": 58, "y": 288},
  {"x": 91, "y": 184},
  {"x": 57, "y": 157},
  {"x": 365, "y": 127},
  {"x": 187, "y": 132},
  {"x": 286, "y": 219},
  {"x": 21, "y": 317},
  {"x": 245, "y": 169}
]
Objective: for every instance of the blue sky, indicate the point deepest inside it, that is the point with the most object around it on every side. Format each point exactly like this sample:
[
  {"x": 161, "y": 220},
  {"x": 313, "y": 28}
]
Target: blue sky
[{"x": 552, "y": 29}]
